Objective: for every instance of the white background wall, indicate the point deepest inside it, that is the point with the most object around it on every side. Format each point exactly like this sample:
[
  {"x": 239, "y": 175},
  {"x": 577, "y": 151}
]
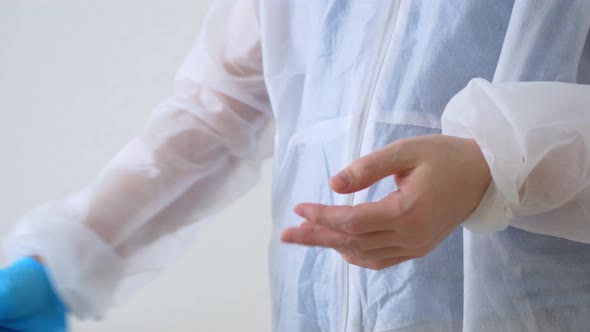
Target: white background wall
[{"x": 77, "y": 80}]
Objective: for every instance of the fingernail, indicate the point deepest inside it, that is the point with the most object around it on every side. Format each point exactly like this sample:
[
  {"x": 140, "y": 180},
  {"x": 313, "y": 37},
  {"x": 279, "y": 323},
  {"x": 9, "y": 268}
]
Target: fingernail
[{"x": 340, "y": 180}]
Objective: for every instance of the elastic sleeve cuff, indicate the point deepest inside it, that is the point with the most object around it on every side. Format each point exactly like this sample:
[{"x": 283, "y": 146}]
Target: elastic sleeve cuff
[
  {"x": 491, "y": 215},
  {"x": 81, "y": 267}
]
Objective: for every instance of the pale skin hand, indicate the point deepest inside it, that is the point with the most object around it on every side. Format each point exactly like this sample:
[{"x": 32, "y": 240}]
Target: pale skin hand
[{"x": 441, "y": 180}]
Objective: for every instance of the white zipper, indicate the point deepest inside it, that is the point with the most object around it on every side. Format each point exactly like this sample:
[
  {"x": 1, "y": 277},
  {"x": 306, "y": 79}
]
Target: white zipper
[{"x": 367, "y": 105}]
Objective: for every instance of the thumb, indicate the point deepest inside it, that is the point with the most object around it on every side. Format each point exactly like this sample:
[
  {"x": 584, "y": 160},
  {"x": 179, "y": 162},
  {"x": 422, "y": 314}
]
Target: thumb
[
  {"x": 396, "y": 158},
  {"x": 24, "y": 289}
]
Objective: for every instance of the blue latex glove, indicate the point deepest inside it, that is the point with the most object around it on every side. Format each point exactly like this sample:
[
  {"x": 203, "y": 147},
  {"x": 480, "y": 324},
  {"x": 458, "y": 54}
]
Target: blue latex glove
[{"x": 27, "y": 300}]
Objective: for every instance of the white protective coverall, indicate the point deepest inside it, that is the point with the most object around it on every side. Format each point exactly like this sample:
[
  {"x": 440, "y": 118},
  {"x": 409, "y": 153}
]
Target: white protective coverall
[{"x": 340, "y": 79}]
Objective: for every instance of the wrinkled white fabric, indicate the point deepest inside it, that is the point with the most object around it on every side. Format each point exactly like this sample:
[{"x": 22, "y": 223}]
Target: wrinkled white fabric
[
  {"x": 342, "y": 79},
  {"x": 200, "y": 150},
  {"x": 536, "y": 141}
]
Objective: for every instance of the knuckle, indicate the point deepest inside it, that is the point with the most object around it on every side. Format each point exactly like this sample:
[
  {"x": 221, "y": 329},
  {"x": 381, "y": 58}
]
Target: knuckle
[
  {"x": 356, "y": 228},
  {"x": 353, "y": 243},
  {"x": 354, "y": 225},
  {"x": 348, "y": 214},
  {"x": 316, "y": 213},
  {"x": 361, "y": 167},
  {"x": 309, "y": 241},
  {"x": 360, "y": 254},
  {"x": 345, "y": 242},
  {"x": 349, "y": 227},
  {"x": 364, "y": 170}
]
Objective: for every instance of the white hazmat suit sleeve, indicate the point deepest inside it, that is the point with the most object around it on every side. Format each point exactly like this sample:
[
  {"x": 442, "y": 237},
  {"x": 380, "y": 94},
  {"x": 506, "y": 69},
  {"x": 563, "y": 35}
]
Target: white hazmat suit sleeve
[
  {"x": 200, "y": 150},
  {"x": 535, "y": 137}
]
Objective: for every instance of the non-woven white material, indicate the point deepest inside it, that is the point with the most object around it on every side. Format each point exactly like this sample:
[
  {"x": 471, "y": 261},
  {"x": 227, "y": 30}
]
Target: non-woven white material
[
  {"x": 535, "y": 138},
  {"x": 199, "y": 151},
  {"x": 319, "y": 69}
]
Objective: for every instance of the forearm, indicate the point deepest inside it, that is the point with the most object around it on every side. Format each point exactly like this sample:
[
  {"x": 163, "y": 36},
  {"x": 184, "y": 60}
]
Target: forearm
[
  {"x": 184, "y": 165},
  {"x": 199, "y": 151}
]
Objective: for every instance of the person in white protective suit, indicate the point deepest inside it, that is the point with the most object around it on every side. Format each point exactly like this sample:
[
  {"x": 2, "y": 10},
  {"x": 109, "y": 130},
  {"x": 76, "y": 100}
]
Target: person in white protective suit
[{"x": 431, "y": 166}]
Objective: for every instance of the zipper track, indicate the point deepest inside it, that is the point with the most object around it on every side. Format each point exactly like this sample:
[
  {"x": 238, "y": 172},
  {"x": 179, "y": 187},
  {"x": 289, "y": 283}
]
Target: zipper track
[{"x": 367, "y": 105}]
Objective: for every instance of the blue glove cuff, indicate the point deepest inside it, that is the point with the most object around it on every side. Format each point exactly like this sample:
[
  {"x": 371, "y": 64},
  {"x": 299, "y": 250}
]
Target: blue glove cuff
[{"x": 25, "y": 290}]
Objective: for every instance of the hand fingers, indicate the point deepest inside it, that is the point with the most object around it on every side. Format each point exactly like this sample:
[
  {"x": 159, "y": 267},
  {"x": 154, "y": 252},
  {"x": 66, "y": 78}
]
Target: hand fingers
[
  {"x": 314, "y": 235},
  {"x": 373, "y": 251},
  {"x": 359, "y": 219},
  {"x": 395, "y": 158}
]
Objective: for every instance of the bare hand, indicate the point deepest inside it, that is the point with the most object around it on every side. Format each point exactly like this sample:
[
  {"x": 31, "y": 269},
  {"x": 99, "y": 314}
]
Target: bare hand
[{"x": 440, "y": 180}]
